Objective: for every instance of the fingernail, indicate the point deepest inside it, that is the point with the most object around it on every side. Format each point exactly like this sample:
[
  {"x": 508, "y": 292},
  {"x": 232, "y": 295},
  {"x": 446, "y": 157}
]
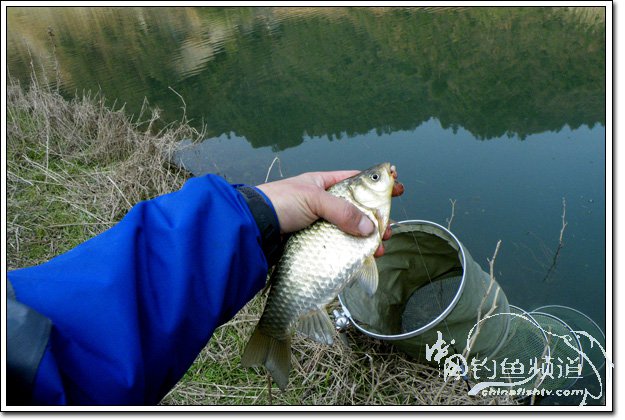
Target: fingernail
[{"x": 365, "y": 226}]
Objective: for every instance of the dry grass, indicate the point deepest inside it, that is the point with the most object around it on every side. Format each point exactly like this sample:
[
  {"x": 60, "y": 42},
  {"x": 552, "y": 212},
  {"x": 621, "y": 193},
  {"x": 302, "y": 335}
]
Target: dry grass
[
  {"x": 367, "y": 372},
  {"x": 76, "y": 167}
]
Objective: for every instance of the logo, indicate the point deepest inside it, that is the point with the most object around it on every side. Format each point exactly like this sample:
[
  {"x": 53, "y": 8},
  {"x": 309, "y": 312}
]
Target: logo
[{"x": 548, "y": 371}]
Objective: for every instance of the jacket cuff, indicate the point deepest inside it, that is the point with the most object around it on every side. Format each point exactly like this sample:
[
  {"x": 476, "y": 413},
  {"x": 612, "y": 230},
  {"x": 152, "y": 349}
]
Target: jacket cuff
[{"x": 267, "y": 221}]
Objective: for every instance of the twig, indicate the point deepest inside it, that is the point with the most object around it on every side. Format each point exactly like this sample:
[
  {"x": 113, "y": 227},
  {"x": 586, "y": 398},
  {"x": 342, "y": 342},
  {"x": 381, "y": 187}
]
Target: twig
[
  {"x": 47, "y": 147},
  {"x": 77, "y": 207},
  {"x": 19, "y": 178},
  {"x": 453, "y": 210},
  {"x": 81, "y": 224},
  {"x": 33, "y": 73},
  {"x": 56, "y": 60},
  {"x": 184, "y": 107},
  {"x": 156, "y": 114},
  {"x": 491, "y": 264},
  {"x": 560, "y": 242},
  {"x": 271, "y": 166},
  {"x": 44, "y": 169},
  {"x": 537, "y": 382},
  {"x": 564, "y": 223},
  {"x": 120, "y": 191},
  {"x": 269, "y": 394}
]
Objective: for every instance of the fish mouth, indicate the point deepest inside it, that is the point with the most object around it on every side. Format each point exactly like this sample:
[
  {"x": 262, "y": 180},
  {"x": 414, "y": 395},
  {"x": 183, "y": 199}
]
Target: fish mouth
[{"x": 397, "y": 188}]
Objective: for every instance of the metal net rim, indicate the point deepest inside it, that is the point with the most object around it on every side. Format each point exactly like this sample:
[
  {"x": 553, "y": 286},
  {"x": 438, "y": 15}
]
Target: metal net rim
[
  {"x": 541, "y": 308},
  {"x": 523, "y": 314},
  {"x": 583, "y": 315},
  {"x": 572, "y": 334},
  {"x": 440, "y": 318}
]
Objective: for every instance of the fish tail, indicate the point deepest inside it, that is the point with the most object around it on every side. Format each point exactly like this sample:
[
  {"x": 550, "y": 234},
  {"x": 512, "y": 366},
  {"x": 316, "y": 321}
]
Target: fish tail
[{"x": 270, "y": 352}]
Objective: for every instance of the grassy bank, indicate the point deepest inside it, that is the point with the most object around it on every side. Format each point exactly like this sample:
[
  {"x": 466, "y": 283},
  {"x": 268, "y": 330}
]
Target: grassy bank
[{"x": 74, "y": 168}]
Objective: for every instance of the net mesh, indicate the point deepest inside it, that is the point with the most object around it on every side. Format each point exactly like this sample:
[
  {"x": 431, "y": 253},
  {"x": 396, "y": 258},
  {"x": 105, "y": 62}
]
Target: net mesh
[
  {"x": 579, "y": 321},
  {"x": 430, "y": 289},
  {"x": 564, "y": 366},
  {"x": 425, "y": 304},
  {"x": 522, "y": 352},
  {"x": 432, "y": 292}
]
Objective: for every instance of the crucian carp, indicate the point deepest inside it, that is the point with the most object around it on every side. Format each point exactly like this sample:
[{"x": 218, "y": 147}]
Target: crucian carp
[{"x": 317, "y": 263}]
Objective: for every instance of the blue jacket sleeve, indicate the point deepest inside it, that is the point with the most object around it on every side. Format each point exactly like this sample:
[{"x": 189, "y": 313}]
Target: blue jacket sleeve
[{"x": 133, "y": 307}]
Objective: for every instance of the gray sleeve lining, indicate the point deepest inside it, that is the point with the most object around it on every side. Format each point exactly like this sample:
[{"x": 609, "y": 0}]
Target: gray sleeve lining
[{"x": 28, "y": 333}]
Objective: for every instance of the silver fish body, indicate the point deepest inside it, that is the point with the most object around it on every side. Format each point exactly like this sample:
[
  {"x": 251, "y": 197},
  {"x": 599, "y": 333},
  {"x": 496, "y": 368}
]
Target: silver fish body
[{"x": 318, "y": 262}]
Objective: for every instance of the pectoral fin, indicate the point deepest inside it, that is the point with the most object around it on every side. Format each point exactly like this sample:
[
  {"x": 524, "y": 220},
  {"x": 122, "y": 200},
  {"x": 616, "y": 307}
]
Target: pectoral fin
[
  {"x": 318, "y": 326},
  {"x": 367, "y": 276}
]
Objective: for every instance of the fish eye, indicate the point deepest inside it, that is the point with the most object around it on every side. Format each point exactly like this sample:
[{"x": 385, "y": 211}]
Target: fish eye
[{"x": 375, "y": 176}]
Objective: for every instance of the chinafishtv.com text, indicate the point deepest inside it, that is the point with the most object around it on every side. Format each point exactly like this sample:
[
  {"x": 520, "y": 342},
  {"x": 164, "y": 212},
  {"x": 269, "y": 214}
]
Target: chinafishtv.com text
[{"x": 522, "y": 392}]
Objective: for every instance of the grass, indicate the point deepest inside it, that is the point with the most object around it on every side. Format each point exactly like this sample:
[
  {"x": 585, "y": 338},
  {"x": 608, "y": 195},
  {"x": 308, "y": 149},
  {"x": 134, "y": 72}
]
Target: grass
[
  {"x": 367, "y": 372},
  {"x": 74, "y": 168}
]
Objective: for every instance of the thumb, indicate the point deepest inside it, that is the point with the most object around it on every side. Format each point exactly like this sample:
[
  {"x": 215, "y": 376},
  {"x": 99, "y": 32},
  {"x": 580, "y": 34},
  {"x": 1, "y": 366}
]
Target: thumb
[{"x": 342, "y": 213}]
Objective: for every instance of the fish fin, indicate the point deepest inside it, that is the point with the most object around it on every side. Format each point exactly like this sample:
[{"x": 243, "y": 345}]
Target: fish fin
[
  {"x": 367, "y": 275},
  {"x": 270, "y": 352},
  {"x": 317, "y": 326}
]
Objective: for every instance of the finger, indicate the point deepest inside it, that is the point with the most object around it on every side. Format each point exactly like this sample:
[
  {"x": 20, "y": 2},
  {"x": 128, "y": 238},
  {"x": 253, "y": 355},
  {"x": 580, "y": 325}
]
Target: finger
[
  {"x": 327, "y": 179},
  {"x": 341, "y": 213},
  {"x": 398, "y": 189},
  {"x": 387, "y": 233},
  {"x": 379, "y": 252}
]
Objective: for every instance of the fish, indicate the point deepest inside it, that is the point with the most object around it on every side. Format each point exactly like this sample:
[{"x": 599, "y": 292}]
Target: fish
[{"x": 318, "y": 262}]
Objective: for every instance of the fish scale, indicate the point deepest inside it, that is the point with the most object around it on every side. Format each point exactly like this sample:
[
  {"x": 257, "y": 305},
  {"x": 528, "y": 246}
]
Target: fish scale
[{"x": 321, "y": 283}]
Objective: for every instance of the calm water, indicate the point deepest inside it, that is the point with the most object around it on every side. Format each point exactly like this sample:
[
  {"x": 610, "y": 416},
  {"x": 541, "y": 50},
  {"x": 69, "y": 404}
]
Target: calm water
[{"x": 500, "y": 109}]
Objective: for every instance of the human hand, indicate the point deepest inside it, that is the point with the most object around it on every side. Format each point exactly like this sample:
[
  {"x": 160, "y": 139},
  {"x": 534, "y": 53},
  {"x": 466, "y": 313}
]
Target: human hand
[{"x": 301, "y": 200}]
